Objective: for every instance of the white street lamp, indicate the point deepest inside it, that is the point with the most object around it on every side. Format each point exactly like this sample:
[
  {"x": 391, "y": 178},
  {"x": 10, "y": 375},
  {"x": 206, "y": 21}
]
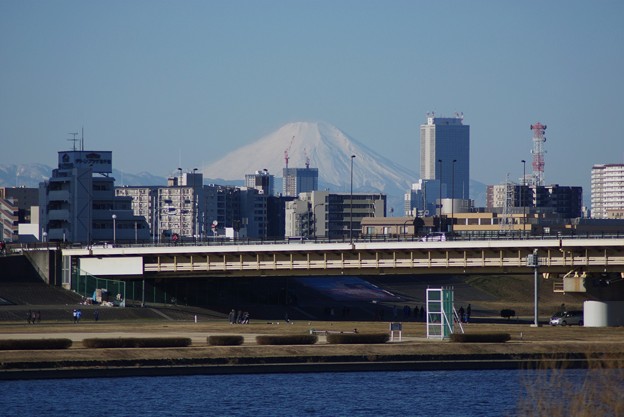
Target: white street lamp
[
  {"x": 453, "y": 198},
  {"x": 114, "y": 229},
  {"x": 522, "y": 202},
  {"x": 440, "y": 195},
  {"x": 351, "y": 204}
]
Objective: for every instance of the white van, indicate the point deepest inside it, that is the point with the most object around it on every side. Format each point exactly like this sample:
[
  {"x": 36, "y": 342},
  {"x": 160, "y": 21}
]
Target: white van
[{"x": 434, "y": 237}]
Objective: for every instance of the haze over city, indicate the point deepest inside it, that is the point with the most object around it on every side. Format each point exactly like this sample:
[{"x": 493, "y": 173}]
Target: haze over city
[{"x": 164, "y": 84}]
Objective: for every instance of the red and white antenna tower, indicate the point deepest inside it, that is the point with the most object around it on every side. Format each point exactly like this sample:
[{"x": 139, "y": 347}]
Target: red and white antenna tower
[
  {"x": 286, "y": 157},
  {"x": 538, "y": 153}
]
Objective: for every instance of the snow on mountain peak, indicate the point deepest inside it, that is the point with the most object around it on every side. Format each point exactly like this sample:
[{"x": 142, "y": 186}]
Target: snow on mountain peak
[{"x": 328, "y": 148}]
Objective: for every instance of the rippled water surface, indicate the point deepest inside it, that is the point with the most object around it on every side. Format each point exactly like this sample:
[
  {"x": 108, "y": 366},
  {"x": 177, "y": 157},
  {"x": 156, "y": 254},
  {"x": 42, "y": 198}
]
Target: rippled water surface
[{"x": 447, "y": 393}]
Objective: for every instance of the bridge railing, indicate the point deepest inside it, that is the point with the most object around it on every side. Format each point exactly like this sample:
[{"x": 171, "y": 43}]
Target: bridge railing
[
  {"x": 18, "y": 248},
  {"x": 222, "y": 241}
]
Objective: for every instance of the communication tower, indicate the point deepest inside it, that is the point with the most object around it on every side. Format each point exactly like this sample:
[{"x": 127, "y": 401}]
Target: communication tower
[
  {"x": 506, "y": 222},
  {"x": 538, "y": 153}
]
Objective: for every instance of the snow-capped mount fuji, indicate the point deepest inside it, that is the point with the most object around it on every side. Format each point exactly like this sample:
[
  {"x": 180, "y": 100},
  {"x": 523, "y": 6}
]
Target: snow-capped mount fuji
[{"x": 328, "y": 149}]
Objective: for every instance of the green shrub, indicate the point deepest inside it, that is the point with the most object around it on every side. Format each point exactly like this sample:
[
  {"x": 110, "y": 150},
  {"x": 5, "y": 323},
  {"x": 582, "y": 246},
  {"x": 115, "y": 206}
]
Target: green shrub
[
  {"x": 480, "y": 337},
  {"x": 35, "y": 344},
  {"x": 133, "y": 342},
  {"x": 225, "y": 340},
  {"x": 289, "y": 339},
  {"x": 357, "y": 338}
]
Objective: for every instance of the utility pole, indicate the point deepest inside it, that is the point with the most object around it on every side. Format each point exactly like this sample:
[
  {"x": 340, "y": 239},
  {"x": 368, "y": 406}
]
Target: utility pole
[
  {"x": 351, "y": 205},
  {"x": 440, "y": 195},
  {"x": 533, "y": 260}
]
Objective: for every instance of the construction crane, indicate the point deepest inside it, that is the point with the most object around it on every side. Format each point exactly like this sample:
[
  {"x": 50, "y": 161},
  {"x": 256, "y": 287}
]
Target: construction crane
[
  {"x": 286, "y": 157},
  {"x": 307, "y": 158}
]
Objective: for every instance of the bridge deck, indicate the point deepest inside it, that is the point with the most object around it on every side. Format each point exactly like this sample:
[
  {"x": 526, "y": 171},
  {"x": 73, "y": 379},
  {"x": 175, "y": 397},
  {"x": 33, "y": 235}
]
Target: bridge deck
[{"x": 372, "y": 258}]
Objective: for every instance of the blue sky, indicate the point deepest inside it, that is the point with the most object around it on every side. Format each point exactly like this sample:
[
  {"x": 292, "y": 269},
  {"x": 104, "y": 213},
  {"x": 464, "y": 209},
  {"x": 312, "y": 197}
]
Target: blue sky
[{"x": 164, "y": 84}]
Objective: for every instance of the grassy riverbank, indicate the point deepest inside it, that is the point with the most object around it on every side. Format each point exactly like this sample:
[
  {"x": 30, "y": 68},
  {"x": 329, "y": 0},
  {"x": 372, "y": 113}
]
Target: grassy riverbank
[{"x": 528, "y": 345}]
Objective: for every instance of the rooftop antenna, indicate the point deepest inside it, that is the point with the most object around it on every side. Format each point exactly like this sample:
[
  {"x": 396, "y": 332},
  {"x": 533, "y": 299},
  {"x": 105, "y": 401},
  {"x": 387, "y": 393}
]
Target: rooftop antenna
[
  {"x": 82, "y": 140},
  {"x": 74, "y": 139}
]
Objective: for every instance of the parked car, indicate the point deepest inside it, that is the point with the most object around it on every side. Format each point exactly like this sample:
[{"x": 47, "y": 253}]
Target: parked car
[
  {"x": 555, "y": 317},
  {"x": 434, "y": 237},
  {"x": 567, "y": 318}
]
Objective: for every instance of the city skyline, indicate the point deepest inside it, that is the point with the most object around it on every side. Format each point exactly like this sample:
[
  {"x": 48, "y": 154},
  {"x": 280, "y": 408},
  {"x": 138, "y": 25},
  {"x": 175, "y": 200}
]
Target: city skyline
[{"x": 163, "y": 85}]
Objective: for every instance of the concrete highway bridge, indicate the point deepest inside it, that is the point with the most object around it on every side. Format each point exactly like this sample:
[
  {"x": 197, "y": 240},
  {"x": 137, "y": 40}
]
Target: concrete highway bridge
[{"x": 568, "y": 259}]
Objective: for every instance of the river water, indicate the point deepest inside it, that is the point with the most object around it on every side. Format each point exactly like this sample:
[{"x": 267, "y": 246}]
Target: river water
[{"x": 422, "y": 393}]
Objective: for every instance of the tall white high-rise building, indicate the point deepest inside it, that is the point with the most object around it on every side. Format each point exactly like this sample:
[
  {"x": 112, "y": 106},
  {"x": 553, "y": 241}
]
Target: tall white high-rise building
[
  {"x": 445, "y": 154},
  {"x": 607, "y": 191}
]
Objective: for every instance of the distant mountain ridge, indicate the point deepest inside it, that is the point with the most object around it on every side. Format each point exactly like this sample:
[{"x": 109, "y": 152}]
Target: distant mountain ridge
[
  {"x": 23, "y": 175},
  {"x": 326, "y": 148},
  {"x": 320, "y": 144},
  {"x": 329, "y": 149},
  {"x": 30, "y": 175}
]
